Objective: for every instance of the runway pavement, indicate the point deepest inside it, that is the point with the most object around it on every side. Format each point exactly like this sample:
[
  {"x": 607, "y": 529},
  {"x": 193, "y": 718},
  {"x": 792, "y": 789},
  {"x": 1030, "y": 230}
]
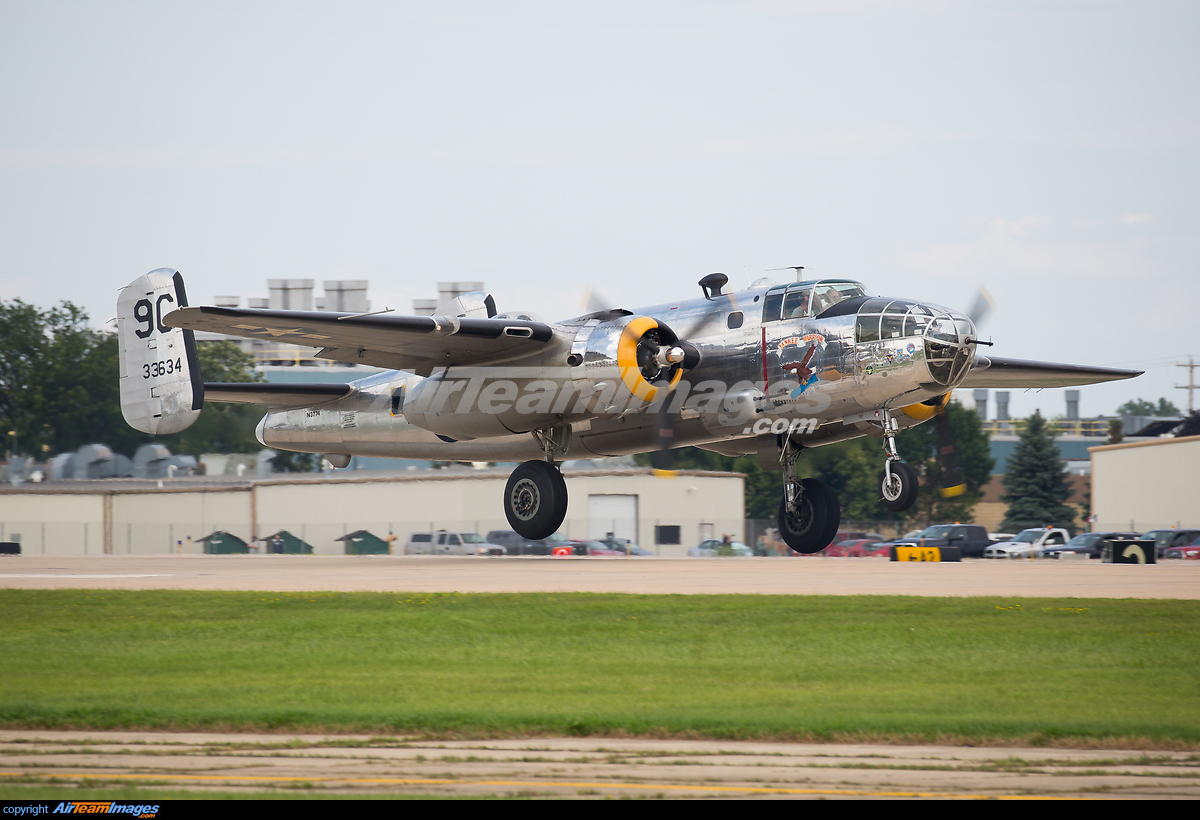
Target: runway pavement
[{"x": 766, "y": 576}]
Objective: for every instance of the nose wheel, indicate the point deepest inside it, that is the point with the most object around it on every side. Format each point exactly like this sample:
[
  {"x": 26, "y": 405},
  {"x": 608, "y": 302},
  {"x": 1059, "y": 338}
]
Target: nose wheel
[
  {"x": 535, "y": 499},
  {"x": 898, "y": 486},
  {"x": 898, "y": 482}
]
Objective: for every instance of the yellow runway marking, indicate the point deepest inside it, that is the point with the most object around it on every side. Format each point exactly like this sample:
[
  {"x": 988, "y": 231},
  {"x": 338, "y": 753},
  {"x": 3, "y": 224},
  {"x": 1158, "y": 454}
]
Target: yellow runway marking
[{"x": 391, "y": 781}]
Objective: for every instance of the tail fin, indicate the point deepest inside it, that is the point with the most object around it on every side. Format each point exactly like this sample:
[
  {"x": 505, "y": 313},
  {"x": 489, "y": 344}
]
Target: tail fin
[{"x": 161, "y": 388}]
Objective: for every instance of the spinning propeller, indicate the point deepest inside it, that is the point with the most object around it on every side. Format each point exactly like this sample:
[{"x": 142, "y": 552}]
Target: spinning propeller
[
  {"x": 950, "y": 480},
  {"x": 662, "y": 354}
]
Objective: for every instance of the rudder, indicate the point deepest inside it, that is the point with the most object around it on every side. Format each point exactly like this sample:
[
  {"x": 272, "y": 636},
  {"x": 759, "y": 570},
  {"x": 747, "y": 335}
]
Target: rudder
[{"x": 161, "y": 387}]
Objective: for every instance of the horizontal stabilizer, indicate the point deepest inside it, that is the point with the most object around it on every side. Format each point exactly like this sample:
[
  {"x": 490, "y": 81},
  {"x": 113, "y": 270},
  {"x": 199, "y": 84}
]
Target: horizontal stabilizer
[
  {"x": 993, "y": 371},
  {"x": 275, "y": 396}
]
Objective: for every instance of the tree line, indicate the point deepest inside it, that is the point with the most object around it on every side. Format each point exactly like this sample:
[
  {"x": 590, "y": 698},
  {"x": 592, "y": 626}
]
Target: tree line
[{"x": 60, "y": 389}]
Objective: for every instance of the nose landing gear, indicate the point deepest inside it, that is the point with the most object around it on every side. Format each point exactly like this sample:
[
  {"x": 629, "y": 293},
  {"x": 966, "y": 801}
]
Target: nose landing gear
[{"x": 898, "y": 482}]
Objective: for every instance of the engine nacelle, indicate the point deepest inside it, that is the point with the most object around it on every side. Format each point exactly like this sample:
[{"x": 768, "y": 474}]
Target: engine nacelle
[
  {"x": 628, "y": 362},
  {"x": 610, "y": 368}
]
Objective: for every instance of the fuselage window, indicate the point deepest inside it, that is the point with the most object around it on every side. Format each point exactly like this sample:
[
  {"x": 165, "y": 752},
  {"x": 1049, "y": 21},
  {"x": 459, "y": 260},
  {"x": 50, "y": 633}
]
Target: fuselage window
[
  {"x": 867, "y": 328},
  {"x": 891, "y": 327},
  {"x": 735, "y": 319}
]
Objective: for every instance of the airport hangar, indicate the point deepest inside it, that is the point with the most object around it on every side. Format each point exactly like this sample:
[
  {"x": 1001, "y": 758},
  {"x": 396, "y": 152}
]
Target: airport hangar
[
  {"x": 141, "y": 517},
  {"x": 1144, "y": 485}
]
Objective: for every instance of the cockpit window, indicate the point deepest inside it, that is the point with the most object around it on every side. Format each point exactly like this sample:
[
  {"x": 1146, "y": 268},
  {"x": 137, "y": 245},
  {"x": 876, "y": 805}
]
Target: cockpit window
[
  {"x": 796, "y": 303},
  {"x": 772, "y": 304},
  {"x": 803, "y": 299},
  {"x": 826, "y": 295}
]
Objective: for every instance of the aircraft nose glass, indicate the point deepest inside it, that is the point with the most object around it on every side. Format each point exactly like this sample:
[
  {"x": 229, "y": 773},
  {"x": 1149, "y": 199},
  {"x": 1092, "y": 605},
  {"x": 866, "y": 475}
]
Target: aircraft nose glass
[{"x": 947, "y": 354}]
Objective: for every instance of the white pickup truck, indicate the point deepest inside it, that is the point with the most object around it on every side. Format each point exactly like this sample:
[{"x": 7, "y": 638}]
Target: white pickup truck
[
  {"x": 449, "y": 543},
  {"x": 1028, "y": 543}
]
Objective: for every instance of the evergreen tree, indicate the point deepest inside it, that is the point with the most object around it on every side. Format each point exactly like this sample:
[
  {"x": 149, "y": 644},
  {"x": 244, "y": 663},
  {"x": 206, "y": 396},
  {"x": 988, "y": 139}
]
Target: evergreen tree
[
  {"x": 1035, "y": 482},
  {"x": 1141, "y": 407}
]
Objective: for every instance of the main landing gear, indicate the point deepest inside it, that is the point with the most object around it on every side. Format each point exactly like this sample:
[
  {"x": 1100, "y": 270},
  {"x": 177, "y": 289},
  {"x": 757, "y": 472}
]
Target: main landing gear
[
  {"x": 809, "y": 513},
  {"x": 898, "y": 483},
  {"x": 535, "y": 498}
]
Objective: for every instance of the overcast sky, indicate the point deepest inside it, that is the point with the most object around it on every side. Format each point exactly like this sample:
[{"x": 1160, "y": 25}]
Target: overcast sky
[{"x": 1048, "y": 150}]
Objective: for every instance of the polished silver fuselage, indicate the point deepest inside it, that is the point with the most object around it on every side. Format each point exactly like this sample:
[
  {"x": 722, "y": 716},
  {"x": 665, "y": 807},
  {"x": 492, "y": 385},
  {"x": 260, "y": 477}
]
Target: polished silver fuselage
[{"x": 830, "y": 372}]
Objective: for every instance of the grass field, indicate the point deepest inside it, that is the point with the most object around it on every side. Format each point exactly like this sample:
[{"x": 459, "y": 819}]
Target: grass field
[{"x": 773, "y": 667}]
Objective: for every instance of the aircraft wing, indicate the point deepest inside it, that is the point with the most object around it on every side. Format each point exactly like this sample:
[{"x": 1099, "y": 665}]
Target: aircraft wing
[
  {"x": 993, "y": 371},
  {"x": 415, "y": 343},
  {"x": 275, "y": 396}
]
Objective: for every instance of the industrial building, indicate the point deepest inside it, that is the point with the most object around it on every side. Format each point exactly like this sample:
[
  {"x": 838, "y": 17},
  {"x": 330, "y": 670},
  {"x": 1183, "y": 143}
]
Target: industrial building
[
  {"x": 1145, "y": 485},
  {"x": 131, "y": 516}
]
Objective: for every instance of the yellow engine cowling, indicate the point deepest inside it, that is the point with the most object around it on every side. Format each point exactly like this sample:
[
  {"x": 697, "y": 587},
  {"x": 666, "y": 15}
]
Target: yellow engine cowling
[
  {"x": 631, "y": 349},
  {"x": 925, "y": 410},
  {"x": 626, "y": 364}
]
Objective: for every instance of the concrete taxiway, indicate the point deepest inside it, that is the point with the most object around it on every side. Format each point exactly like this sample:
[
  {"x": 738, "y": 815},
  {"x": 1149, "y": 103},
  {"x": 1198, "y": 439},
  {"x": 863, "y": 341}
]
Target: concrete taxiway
[
  {"x": 765, "y": 576},
  {"x": 342, "y": 765}
]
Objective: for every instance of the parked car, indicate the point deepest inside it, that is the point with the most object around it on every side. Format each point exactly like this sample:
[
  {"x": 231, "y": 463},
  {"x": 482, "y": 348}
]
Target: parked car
[
  {"x": 856, "y": 548},
  {"x": 1087, "y": 543},
  {"x": 714, "y": 548},
  {"x": 1029, "y": 543},
  {"x": 450, "y": 543},
  {"x": 624, "y": 546},
  {"x": 515, "y": 544},
  {"x": 595, "y": 548},
  {"x": 1165, "y": 539},
  {"x": 849, "y": 536},
  {"x": 970, "y": 538},
  {"x": 1190, "y": 551}
]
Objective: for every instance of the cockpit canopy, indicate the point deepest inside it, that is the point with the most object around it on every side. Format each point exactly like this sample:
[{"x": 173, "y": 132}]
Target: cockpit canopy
[{"x": 801, "y": 300}]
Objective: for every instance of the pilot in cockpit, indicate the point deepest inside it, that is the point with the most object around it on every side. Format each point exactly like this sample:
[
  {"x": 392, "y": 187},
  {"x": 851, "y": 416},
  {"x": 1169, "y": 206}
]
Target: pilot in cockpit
[
  {"x": 825, "y": 299},
  {"x": 796, "y": 304}
]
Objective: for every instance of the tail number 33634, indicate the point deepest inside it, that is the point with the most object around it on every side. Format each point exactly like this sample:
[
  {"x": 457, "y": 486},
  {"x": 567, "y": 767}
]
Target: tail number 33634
[{"x": 166, "y": 368}]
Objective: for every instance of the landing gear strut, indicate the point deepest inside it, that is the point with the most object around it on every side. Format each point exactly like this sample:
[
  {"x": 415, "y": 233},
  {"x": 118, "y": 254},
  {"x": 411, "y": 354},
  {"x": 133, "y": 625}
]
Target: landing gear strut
[
  {"x": 809, "y": 513},
  {"x": 535, "y": 498},
  {"x": 898, "y": 482}
]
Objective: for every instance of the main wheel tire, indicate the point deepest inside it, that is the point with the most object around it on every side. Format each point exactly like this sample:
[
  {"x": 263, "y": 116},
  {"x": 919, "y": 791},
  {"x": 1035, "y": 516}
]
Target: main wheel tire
[
  {"x": 833, "y": 510},
  {"x": 813, "y": 524},
  {"x": 899, "y": 493},
  {"x": 535, "y": 499}
]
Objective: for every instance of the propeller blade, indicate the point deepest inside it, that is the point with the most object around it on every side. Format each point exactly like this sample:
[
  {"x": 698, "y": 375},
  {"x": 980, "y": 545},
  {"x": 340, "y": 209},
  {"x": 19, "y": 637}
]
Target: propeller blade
[
  {"x": 981, "y": 307},
  {"x": 715, "y": 305},
  {"x": 662, "y": 460},
  {"x": 593, "y": 302},
  {"x": 951, "y": 483}
]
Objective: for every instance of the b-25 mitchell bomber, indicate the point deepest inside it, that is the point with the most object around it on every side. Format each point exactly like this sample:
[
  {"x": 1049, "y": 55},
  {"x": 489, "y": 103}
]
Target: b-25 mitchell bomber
[{"x": 769, "y": 370}]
